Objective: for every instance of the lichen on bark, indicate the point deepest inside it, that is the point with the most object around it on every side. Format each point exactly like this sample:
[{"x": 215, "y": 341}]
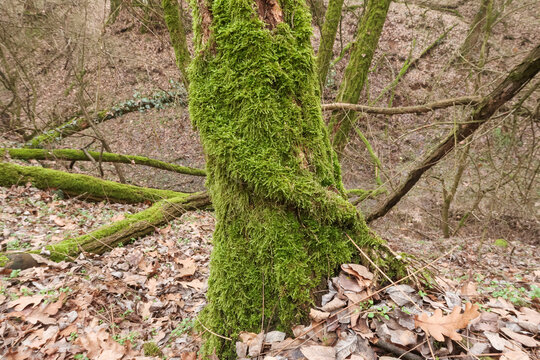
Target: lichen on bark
[{"x": 275, "y": 181}]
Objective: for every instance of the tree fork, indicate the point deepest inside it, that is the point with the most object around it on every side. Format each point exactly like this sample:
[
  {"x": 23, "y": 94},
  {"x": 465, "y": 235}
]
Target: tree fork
[
  {"x": 80, "y": 155},
  {"x": 77, "y": 184},
  {"x": 518, "y": 77},
  {"x": 109, "y": 236}
]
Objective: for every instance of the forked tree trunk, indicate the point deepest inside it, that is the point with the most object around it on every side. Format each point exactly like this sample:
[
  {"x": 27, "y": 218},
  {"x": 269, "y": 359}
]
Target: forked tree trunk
[
  {"x": 354, "y": 79},
  {"x": 275, "y": 183}
]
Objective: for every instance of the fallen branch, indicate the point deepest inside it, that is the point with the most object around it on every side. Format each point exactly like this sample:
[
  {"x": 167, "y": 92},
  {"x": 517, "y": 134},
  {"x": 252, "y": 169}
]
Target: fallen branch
[
  {"x": 417, "y": 109},
  {"x": 76, "y": 184},
  {"x": 80, "y": 155},
  {"x": 79, "y": 123},
  {"x": 505, "y": 90},
  {"x": 123, "y": 231}
]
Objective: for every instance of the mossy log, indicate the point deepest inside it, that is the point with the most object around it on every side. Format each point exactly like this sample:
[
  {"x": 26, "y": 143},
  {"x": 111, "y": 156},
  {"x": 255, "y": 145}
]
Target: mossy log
[
  {"x": 505, "y": 90},
  {"x": 87, "y": 187},
  {"x": 123, "y": 231},
  {"x": 177, "y": 34},
  {"x": 356, "y": 72},
  {"x": 275, "y": 181},
  {"x": 80, "y": 123},
  {"x": 79, "y": 155}
]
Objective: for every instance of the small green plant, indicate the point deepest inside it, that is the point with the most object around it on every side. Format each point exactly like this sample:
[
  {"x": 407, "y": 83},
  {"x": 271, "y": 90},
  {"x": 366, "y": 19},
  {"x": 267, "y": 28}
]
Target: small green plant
[
  {"x": 80, "y": 357},
  {"x": 534, "y": 293},
  {"x": 182, "y": 328},
  {"x": 126, "y": 313},
  {"x": 26, "y": 291},
  {"x": 129, "y": 337},
  {"x": 73, "y": 336},
  {"x": 379, "y": 310},
  {"x": 422, "y": 293},
  {"x": 14, "y": 273}
]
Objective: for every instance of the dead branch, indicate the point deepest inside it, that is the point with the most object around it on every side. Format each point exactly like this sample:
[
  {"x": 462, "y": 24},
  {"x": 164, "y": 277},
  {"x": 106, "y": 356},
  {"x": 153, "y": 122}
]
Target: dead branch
[
  {"x": 418, "y": 109},
  {"x": 506, "y": 90}
]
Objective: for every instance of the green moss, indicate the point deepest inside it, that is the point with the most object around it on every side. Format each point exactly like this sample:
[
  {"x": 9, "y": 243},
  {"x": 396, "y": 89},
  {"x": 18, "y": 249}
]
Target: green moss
[
  {"x": 134, "y": 226},
  {"x": 501, "y": 243},
  {"x": 356, "y": 72},
  {"x": 77, "y": 184},
  {"x": 4, "y": 260},
  {"x": 151, "y": 349},
  {"x": 71, "y": 154},
  {"x": 274, "y": 179},
  {"x": 177, "y": 33},
  {"x": 328, "y": 36}
]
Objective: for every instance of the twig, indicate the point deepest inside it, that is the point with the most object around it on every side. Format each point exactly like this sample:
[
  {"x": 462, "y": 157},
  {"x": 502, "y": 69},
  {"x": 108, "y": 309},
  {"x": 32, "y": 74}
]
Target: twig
[
  {"x": 397, "y": 350},
  {"x": 464, "y": 100},
  {"x": 211, "y": 332}
]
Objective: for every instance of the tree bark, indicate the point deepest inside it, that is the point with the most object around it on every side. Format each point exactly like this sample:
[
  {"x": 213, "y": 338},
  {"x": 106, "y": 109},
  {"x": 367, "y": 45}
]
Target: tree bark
[
  {"x": 177, "y": 33},
  {"x": 328, "y": 36},
  {"x": 83, "y": 185},
  {"x": 518, "y": 77},
  {"x": 79, "y": 155},
  {"x": 275, "y": 182},
  {"x": 80, "y": 123},
  {"x": 123, "y": 231},
  {"x": 354, "y": 79}
]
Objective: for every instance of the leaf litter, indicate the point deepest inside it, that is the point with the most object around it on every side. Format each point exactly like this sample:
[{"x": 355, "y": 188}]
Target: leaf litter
[{"x": 146, "y": 295}]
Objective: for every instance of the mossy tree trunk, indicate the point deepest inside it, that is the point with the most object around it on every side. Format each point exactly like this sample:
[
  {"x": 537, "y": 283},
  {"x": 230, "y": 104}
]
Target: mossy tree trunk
[
  {"x": 328, "y": 36},
  {"x": 177, "y": 33},
  {"x": 354, "y": 79},
  {"x": 274, "y": 179}
]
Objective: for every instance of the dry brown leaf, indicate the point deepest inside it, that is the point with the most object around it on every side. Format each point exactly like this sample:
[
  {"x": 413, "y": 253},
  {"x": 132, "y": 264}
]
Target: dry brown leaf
[
  {"x": 522, "y": 339},
  {"x": 196, "y": 284},
  {"x": 357, "y": 271},
  {"x": 24, "y": 301},
  {"x": 316, "y": 352},
  {"x": 189, "y": 267},
  {"x": 438, "y": 325},
  {"x": 58, "y": 220},
  {"x": 188, "y": 356},
  {"x": 469, "y": 289},
  {"x": 335, "y": 304},
  {"x": 53, "y": 308},
  {"x": 317, "y": 315}
]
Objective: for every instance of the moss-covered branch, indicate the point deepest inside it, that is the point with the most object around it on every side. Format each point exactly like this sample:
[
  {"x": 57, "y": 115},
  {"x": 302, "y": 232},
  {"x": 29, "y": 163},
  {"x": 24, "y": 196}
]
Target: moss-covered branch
[
  {"x": 417, "y": 109},
  {"x": 79, "y": 155},
  {"x": 354, "y": 79},
  {"x": 76, "y": 184},
  {"x": 518, "y": 77},
  {"x": 123, "y": 231},
  {"x": 328, "y": 36},
  {"x": 79, "y": 123},
  {"x": 177, "y": 33}
]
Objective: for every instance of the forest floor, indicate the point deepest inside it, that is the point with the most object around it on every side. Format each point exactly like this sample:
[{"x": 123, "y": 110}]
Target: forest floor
[{"x": 151, "y": 290}]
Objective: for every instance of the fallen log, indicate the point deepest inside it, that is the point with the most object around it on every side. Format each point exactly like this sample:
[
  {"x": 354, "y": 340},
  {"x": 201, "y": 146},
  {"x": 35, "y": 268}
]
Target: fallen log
[
  {"x": 109, "y": 236},
  {"x": 88, "y": 187},
  {"x": 79, "y": 123},
  {"x": 79, "y": 155}
]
